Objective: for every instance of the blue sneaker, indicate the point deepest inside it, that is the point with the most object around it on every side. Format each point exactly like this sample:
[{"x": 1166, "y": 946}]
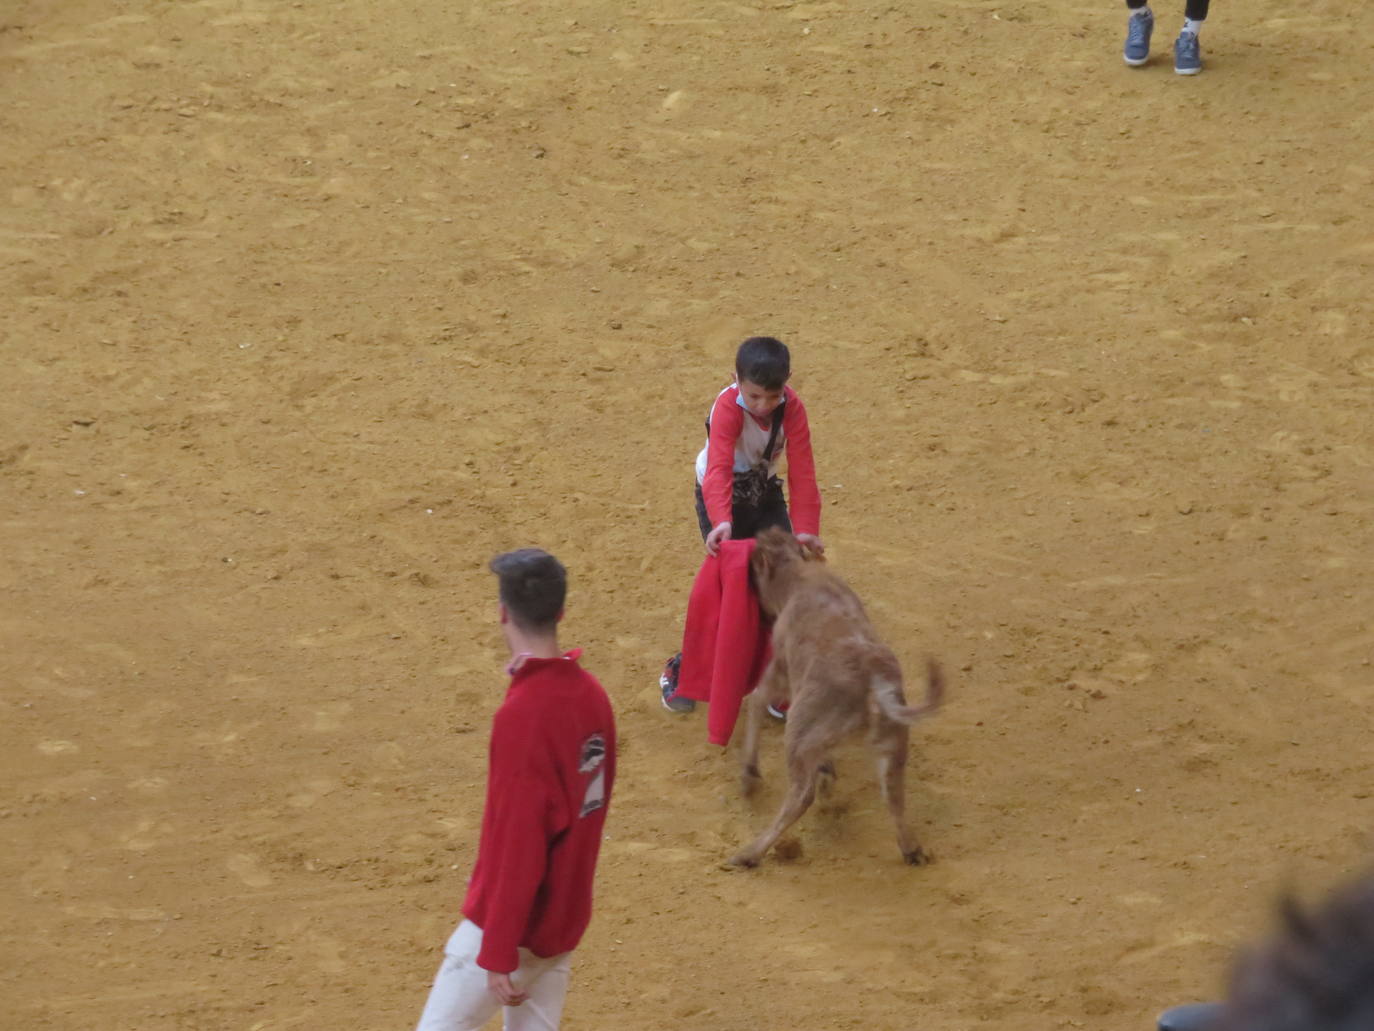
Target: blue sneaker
[
  {"x": 667, "y": 685},
  {"x": 1187, "y": 54},
  {"x": 1138, "y": 30}
]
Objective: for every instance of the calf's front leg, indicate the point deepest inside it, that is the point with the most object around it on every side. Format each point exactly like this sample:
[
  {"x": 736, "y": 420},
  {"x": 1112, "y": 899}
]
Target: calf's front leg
[{"x": 801, "y": 792}]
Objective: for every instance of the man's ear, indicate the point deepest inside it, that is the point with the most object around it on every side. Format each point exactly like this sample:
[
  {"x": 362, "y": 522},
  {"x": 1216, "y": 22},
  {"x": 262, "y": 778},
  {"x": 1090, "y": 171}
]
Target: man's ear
[{"x": 505, "y": 614}]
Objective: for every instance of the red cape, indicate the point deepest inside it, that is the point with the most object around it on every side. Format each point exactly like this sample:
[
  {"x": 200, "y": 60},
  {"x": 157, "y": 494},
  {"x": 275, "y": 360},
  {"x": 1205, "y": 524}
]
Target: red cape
[{"x": 725, "y": 643}]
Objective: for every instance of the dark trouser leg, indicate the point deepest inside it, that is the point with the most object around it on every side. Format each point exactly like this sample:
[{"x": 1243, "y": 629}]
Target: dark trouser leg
[
  {"x": 1195, "y": 9},
  {"x": 747, "y": 520},
  {"x": 770, "y": 511},
  {"x": 773, "y": 510},
  {"x": 703, "y": 520}
]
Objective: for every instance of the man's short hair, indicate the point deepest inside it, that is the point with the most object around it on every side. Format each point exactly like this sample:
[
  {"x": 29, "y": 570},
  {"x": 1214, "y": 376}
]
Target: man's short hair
[
  {"x": 533, "y": 586},
  {"x": 765, "y": 361},
  {"x": 1316, "y": 974}
]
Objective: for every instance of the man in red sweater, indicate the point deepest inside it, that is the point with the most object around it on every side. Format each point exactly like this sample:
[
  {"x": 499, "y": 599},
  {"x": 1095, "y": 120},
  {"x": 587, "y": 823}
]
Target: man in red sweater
[
  {"x": 753, "y": 423},
  {"x": 550, "y": 770}
]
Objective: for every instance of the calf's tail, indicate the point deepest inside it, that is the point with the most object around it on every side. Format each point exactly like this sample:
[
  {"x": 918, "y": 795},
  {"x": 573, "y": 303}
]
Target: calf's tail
[{"x": 888, "y": 696}]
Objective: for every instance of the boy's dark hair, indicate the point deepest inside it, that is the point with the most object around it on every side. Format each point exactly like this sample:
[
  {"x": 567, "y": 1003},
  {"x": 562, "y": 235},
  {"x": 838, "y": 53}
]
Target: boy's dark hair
[
  {"x": 765, "y": 361},
  {"x": 533, "y": 585},
  {"x": 1316, "y": 974}
]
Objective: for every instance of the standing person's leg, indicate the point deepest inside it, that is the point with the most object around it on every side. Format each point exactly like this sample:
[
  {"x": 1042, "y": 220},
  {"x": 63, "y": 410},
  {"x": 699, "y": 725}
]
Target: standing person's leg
[
  {"x": 772, "y": 509},
  {"x": 459, "y": 1000},
  {"x": 1187, "y": 50},
  {"x": 703, "y": 520},
  {"x": 546, "y": 982},
  {"x": 769, "y": 510},
  {"x": 1139, "y": 26},
  {"x": 744, "y": 521}
]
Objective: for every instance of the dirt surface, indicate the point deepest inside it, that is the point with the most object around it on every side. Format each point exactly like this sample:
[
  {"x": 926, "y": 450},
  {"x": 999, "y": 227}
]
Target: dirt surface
[{"x": 309, "y": 308}]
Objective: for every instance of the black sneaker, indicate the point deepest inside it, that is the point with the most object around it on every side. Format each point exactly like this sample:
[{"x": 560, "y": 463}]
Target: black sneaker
[{"x": 667, "y": 683}]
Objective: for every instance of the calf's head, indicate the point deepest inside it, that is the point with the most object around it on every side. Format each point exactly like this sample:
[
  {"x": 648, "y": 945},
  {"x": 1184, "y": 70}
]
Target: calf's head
[{"x": 776, "y": 563}]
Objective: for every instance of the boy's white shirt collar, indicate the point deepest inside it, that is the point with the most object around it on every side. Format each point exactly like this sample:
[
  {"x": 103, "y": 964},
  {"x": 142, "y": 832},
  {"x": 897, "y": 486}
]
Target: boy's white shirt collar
[{"x": 739, "y": 398}]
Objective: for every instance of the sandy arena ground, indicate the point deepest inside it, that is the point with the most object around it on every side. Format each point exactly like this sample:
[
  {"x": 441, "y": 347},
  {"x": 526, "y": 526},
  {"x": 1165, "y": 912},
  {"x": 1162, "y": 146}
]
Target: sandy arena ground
[{"x": 308, "y": 308}]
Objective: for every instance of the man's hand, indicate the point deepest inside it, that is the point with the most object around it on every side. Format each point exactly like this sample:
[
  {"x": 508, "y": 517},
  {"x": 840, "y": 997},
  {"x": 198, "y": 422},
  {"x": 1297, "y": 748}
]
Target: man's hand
[
  {"x": 720, "y": 533},
  {"x": 811, "y": 542},
  {"x": 501, "y": 986}
]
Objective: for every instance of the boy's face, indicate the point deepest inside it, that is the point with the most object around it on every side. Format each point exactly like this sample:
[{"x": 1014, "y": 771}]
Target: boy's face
[{"x": 759, "y": 400}]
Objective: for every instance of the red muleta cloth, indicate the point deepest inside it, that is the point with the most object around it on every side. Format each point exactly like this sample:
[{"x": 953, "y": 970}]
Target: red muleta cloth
[{"x": 725, "y": 643}]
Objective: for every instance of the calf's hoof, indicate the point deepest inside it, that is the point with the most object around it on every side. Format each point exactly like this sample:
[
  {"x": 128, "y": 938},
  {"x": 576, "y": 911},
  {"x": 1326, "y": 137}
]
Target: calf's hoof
[
  {"x": 743, "y": 861},
  {"x": 749, "y": 780},
  {"x": 917, "y": 856}
]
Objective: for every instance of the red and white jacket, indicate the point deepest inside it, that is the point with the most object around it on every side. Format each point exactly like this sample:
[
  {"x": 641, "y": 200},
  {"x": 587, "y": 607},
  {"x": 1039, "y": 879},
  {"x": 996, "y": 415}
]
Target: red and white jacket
[
  {"x": 736, "y": 444},
  {"x": 550, "y": 771}
]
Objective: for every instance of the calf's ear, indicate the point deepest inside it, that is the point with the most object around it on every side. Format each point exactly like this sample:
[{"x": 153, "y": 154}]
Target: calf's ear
[{"x": 759, "y": 562}]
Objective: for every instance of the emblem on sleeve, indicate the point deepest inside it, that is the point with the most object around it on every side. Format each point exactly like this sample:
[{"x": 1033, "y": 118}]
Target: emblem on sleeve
[{"x": 593, "y": 758}]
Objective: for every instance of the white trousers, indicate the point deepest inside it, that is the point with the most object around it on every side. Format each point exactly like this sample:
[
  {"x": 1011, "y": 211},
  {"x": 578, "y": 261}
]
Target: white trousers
[{"x": 459, "y": 1000}]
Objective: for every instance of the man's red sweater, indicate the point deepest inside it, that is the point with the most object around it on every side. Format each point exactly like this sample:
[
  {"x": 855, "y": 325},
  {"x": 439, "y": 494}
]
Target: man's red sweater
[{"x": 550, "y": 771}]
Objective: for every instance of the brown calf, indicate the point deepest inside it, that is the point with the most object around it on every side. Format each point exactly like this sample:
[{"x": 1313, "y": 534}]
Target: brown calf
[{"x": 837, "y": 676}]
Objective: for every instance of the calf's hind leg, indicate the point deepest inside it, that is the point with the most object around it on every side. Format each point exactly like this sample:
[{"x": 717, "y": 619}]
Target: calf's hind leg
[
  {"x": 890, "y": 748},
  {"x": 749, "y": 775}
]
